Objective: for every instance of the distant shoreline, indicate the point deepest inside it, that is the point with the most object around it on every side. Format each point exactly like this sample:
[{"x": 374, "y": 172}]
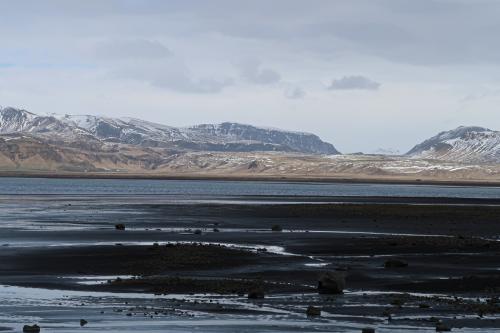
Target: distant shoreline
[{"x": 261, "y": 178}]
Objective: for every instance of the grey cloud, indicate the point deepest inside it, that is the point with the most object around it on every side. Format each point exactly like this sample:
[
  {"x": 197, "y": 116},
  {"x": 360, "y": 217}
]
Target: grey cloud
[
  {"x": 486, "y": 93},
  {"x": 170, "y": 74},
  {"x": 51, "y": 45},
  {"x": 454, "y": 32},
  {"x": 131, "y": 49},
  {"x": 188, "y": 85},
  {"x": 251, "y": 71},
  {"x": 294, "y": 93},
  {"x": 354, "y": 82},
  {"x": 432, "y": 32},
  {"x": 152, "y": 62}
]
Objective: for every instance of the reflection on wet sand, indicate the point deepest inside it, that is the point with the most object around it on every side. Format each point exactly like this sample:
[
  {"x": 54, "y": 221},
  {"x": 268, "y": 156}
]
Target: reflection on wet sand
[{"x": 192, "y": 267}]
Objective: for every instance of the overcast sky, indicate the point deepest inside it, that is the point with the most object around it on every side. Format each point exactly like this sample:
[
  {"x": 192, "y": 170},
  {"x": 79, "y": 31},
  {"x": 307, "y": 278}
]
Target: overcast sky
[{"x": 361, "y": 74}]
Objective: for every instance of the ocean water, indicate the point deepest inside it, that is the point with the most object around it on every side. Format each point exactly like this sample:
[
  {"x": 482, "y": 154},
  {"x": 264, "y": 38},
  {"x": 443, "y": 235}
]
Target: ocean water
[{"x": 199, "y": 188}]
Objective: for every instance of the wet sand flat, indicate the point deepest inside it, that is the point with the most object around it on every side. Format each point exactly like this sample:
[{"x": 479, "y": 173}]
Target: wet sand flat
[{"x": 190, "y": 266}]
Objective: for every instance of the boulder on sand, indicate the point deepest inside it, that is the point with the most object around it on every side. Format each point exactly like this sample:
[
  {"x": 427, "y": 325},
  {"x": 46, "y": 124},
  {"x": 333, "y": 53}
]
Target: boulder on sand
[
  {"x": 440, "y": 327},
  {"x": 313, "y": 311},
  {"x": 120, "y": 226},
  {"x": 256, "y": 293},
  {"x": 31, "y": 329},
  {"x": 395, "y": 263},
  {"x": 276, "y": 227},
  {"x": 331, "y": 282}
]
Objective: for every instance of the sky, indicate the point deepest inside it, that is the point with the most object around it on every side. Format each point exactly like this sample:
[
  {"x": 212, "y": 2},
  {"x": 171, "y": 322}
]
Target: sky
[{"x": 362, "y": 75}]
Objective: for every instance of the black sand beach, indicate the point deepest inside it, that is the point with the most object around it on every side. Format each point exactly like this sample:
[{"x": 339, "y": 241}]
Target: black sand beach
[{"x": 410, "y": 264}]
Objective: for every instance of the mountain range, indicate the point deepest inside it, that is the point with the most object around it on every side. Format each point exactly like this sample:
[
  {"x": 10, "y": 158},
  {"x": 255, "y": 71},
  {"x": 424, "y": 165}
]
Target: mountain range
[
  {"x": 206, "y": 137},
  {"x": 74, "y": 143}
]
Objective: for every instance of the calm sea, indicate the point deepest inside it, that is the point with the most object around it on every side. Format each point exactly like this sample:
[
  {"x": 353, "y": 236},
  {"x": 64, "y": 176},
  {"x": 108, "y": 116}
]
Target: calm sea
[{"x": 35, "y": 186}]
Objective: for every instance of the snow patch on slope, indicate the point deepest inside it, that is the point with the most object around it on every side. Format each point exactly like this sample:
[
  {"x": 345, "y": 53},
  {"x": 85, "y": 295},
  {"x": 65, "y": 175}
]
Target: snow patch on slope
[
  {"x": 463, "y": 144},
  {"x": 208, "y": 137}
]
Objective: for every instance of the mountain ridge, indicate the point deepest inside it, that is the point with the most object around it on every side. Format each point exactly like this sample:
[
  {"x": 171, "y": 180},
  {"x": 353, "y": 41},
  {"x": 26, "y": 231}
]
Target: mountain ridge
[
  {"x": 225, "y": 136},
  {"x": 463, "y": 144}
]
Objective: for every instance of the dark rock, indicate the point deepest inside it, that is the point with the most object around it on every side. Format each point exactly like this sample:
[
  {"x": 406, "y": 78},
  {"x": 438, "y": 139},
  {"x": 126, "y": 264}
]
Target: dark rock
[
  {"x": 395, "y": 263},
  {"x": 83, "y": 322},
  {"x": 256, "y": 293},
  {"x": 313, "y": 311},
  {"x": 276, "y": 227},
  {"x": 331, "y": 282},
  {"x": 253, "y": 165},
  {"x": 368, "y": 330},
  {"x": 120, "y": 226},
  {"x": 197, "y": 232},
  {"x": 31, "y": 328},
  {"x": 397, "y": 302},
  {"x": 440, "y": 327}
]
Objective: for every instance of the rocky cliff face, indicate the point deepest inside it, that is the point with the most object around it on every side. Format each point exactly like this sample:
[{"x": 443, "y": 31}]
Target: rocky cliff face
[{"x": 273, "y": 139}]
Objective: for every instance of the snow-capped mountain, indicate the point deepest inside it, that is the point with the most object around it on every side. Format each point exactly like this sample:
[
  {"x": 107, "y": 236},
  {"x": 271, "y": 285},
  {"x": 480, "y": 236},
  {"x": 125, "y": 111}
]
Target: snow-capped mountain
[
  {"x": 386, "y": 151},
  {"x": 207, "y": 137},
  {"x": 15, "y": 120},
  {"x": 463, "y": 144}
]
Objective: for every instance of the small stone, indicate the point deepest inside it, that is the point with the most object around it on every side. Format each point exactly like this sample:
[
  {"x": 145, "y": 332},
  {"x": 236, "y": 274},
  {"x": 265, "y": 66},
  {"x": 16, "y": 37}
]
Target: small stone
[
  {"x": 256, "y": 293},
  {"x": 276, "y": 227},
  {"x": 368, "y": 330},
  {"x": 120, "y": 226},
  {"x": 197, "y": 232},
  {"x": 397, "y": 302},
  {"x": 83, "y": 322},
  {"x": 313, "y": 311},
  {"x": 395, "y": 263},
  {"x": 440, "y": 327}
]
